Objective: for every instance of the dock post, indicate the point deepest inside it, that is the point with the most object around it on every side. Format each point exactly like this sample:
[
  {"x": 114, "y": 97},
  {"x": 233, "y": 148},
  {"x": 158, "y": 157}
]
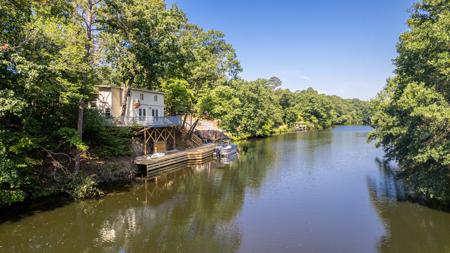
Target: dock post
[
  {"x": 174, "y": 138},
  {"x": 145, "y": 142}
]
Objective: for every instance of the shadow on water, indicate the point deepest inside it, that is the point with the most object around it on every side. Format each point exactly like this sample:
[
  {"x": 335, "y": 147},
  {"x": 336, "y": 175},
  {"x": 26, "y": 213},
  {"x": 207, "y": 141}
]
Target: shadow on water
[
  {"x": 15, "y": 213},
  {"x": 409, "y": 227},
  {"x": 386, "y": 186},
  {"x": 192, "y": 210},
  {"x": 306, "y": 192}
]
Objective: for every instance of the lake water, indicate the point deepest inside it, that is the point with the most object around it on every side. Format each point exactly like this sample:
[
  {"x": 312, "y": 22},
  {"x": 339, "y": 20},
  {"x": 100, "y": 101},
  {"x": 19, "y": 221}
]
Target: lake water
[{"x": 322, "y": 191}]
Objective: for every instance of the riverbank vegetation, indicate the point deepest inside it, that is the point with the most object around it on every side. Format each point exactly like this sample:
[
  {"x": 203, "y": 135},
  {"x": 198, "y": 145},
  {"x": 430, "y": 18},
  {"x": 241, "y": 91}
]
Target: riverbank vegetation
[
  {"x": 412, "y": 113},
  {"x": 53, "y": 54},
  {"x": 260, "y": 108}
]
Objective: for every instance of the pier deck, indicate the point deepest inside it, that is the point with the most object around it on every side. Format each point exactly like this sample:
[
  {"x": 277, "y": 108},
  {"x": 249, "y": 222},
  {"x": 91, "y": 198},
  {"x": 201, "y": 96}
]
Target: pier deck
[{"x": 175, "y": 161}]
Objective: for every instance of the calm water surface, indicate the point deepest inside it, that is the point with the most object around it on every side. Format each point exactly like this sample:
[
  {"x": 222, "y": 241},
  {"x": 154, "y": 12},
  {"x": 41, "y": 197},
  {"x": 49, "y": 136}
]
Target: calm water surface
[{"x": 308, "y": 192}]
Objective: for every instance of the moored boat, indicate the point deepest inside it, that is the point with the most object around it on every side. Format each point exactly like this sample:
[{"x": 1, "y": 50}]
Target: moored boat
[{"x": 225, "y": 150}]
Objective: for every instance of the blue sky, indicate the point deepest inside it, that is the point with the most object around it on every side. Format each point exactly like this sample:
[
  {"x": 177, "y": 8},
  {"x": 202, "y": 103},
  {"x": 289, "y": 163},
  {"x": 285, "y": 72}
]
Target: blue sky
[{"x": 340, "y": 47}]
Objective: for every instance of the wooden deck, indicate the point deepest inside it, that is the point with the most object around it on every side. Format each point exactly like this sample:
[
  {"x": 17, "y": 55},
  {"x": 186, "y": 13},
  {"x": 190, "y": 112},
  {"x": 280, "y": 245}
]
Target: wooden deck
[{"x": 176, "y": 161}]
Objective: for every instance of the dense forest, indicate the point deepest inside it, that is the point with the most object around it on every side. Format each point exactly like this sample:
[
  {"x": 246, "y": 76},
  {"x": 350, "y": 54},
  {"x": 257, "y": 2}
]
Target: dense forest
[
  {"x": 54, "y": 53},
  {"x": 260, "y": 108},
  {"x": 412, "y": 113}
]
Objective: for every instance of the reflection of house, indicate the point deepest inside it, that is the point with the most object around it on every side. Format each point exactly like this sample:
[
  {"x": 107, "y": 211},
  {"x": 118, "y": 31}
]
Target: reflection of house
[{"x": 144, "y": 107}]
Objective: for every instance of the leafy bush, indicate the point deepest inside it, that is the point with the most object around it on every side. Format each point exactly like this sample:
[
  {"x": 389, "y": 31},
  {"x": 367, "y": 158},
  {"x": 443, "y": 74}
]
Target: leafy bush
[
  {"x": 83, "y": 187},
  {"x": 106, "y": 141},
  {"x": 10, "y": 182}
]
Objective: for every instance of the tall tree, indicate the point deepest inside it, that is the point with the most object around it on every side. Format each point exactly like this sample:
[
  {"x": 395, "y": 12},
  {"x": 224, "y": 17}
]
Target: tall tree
[
  {"x": 85, "y": 14},
  {"x": 210, "y": 60},
  {"x": 412, "y": 117},
  {"x": 274, "y": 82},
  {"x": 177, "y": 96},
  {"x": 43, "y": 67},
  {"x": 142, "y": 43}
]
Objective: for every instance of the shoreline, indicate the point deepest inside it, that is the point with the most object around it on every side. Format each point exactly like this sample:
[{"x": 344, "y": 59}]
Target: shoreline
[{"x": 111, "y": 177}]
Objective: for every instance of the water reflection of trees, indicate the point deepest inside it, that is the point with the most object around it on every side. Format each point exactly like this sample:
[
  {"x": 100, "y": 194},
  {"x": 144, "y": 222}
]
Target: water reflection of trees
[
  {"x": 409, "y": 227},
  {"x": 193, "y": 210},
  {"x": 385, "y": 185}
]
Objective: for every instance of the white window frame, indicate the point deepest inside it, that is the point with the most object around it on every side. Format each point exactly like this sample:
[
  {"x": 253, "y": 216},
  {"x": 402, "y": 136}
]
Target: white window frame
[{"x": 142, "y": 114}]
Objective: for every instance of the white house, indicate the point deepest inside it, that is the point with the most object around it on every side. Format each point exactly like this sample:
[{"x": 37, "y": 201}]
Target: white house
[{"x": 144, "y": 107}]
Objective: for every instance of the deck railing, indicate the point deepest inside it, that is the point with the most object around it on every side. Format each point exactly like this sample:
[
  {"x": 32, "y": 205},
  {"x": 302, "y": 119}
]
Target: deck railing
[{"x": 166, "y": 121}]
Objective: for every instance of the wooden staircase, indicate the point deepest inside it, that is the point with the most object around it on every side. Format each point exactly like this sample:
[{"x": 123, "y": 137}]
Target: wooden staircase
[{"x": 188, "y": 132}]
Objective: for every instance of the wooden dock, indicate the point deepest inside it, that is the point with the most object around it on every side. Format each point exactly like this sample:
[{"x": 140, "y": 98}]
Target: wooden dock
[{"x": 176, "y": 161}]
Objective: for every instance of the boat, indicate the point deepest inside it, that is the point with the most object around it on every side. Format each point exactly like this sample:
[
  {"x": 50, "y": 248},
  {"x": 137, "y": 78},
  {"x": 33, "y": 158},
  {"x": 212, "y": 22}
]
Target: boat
[
  {"x": 225, "y": 150},
  {"x": 229, "y": 159},
  {"x": 156, "y": 155}
]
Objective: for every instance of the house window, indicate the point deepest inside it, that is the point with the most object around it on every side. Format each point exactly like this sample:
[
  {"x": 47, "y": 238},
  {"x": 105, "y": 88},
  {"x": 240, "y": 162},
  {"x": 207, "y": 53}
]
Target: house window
[
  {"x": 142, "y": 114},
  {"x": 156, "y": 98},
  {"x": 155, "y": 112},
  {"x": 141, "y": 97},
  {"x": 108, "y": 112}
]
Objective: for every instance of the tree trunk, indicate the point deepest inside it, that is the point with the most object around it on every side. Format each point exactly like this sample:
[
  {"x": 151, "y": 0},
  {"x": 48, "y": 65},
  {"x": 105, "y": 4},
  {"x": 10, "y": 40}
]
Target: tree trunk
[
  {"x": 80, "y": 122},
  {"x": 126, "y": 90},
  {"x": 125, "y": 98},
  {"x": 89, "y": 18}
]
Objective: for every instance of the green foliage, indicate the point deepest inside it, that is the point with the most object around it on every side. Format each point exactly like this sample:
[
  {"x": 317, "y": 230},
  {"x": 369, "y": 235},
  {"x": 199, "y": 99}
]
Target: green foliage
[
  {"x": 320, "y": 111},
  {"x": 83, "y": 187},
  {"x": 70, "y": 136},
  {"x": 258, "y": 112},
  {"x": 106, "y": 141},
  {"x": 177, "y": 96},
  {"x": 141, "y": 42},
  {"x": 290, "y": 116},
  {"x": 10, "y": 182},
  {"x": 211, "y": 61},
  {"x": 32, "y": 84},
  {"x": 255, "y": 109},
  {"x": 315, "y": 108},
  {"x": 146, "y": 43},
  {"x": 274, "y": 82},
  {"x": 52, "y": 55},
  {"x": 245, "y": 109},
  {"x": 218, "y": 102},
  {"x": 412, "y": 114}
]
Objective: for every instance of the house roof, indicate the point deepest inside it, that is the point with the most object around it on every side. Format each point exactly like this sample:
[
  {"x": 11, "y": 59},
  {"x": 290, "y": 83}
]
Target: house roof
[
  {"x": 135, "y": 89},
  {"x": 150, "y": 91}
]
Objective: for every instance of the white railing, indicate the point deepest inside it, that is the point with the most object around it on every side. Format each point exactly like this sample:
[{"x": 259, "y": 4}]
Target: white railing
[{"x": 167, "y": 121}]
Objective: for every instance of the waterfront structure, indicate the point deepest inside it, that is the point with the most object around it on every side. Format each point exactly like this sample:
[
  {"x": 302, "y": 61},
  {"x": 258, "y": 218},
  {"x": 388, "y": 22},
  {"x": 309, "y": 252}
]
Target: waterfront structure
[{"x": 143, "y": 107}]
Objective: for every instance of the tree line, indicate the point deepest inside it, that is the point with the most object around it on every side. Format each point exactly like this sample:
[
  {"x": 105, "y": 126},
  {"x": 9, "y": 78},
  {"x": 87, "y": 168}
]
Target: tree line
[
  {"x": 260, "y": 108},
  {"x": 54, "y": 53},
  {"x": 412, "y": 113}
]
